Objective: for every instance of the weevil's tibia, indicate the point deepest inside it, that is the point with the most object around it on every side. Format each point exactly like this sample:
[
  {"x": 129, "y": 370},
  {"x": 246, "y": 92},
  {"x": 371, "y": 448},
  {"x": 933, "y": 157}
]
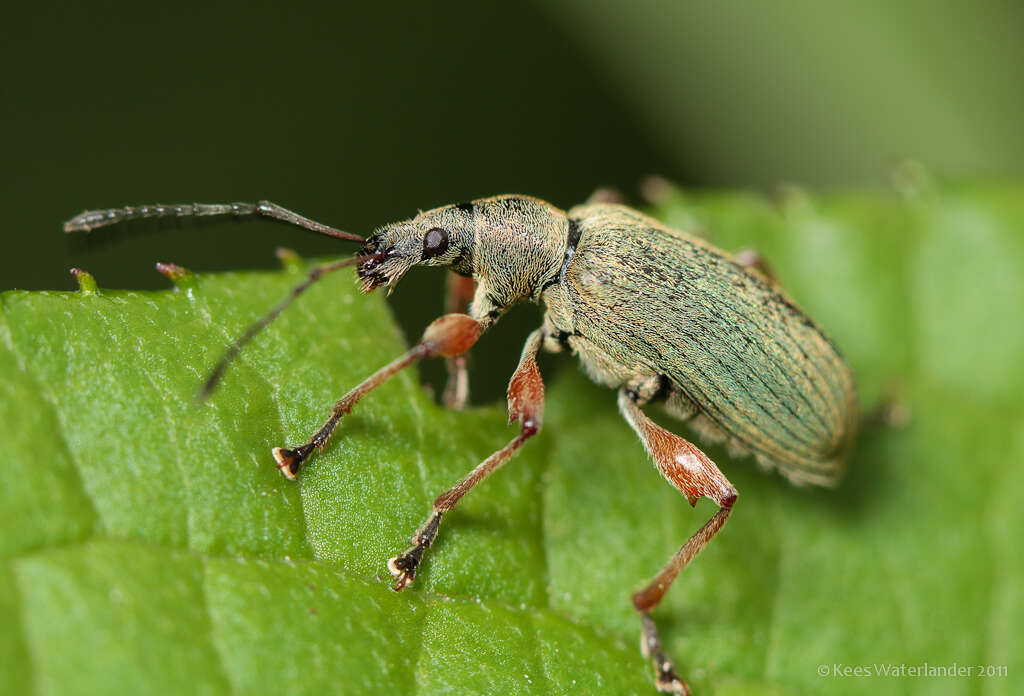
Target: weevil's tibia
[
  {"x": 91, "y": 219},
  {"x": 458, "y": 295},
  {"x": 289, "y": 460},
  {"x": 451, "y": 334},
  {"x": 696, "y": 476},
  {"x": 525, "y": 405}
]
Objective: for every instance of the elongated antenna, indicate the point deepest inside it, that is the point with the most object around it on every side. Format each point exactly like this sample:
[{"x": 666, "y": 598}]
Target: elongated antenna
[
  {"x": 91, "y": 219},
  {"x": 235, "y": 348}
]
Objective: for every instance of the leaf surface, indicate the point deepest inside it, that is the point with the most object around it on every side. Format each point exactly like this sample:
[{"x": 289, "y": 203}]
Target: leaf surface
[{"x": 150, "y": 546}]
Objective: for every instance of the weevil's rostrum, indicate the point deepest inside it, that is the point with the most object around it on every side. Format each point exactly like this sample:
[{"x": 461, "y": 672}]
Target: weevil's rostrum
[{"x": 659, "y": 315}]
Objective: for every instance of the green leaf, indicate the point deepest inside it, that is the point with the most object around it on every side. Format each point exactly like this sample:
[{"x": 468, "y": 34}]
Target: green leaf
[{"x": 150, "y": 546}]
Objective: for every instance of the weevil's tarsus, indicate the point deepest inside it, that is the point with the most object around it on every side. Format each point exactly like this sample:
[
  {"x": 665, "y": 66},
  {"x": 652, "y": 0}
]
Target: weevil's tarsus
[
  {"x": 93, "y": 219},
  {"x": 665, "y": 678},
  {"x": 446, "y": 336},
  {"x": 458, "y": 295},
  {"x": 403, "y": 567},
  {"x": 235, "y": 348},
  {"x": 289, "y": 461},
  {"x": 526, "y": 406}
]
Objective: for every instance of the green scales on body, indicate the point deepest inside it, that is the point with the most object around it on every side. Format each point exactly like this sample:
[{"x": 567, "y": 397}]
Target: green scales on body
[{"x": 657, "y": 314}]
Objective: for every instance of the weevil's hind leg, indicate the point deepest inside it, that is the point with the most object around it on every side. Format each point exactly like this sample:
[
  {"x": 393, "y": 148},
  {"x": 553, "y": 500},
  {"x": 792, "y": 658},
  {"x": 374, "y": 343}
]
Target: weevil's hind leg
[
  {"x": 606, "y": 194},
  {"x": 891, "y": 410},
  {"x": 696, "y": 476},
  {"x": 751, "y": 258},
  {"x": 451, "y": 334},
  {"x": 525, "y": 405},
  {"x": 458, "y": 295}
]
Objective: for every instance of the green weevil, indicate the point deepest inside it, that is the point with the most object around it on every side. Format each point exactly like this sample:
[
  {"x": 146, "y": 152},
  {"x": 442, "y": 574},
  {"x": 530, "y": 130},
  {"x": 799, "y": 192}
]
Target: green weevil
[{"x": 659, "y": 315}]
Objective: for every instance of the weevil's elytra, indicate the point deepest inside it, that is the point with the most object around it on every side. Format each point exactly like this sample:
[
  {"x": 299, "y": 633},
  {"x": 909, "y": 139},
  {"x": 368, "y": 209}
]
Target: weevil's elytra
[{"x": 659, "y": 315}]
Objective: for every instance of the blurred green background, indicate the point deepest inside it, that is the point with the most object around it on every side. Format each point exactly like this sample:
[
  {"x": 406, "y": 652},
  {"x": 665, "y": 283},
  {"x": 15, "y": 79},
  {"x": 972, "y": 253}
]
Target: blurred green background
[{"x": 359, "y": 115}]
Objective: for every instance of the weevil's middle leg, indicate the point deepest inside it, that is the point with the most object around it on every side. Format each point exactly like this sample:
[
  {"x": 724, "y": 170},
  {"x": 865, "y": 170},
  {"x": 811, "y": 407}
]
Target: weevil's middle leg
[
  {"x": 696, "y": 476},
  {"x": 458, "y": 295},
  {"x": 451, "y": 334},
  {"x": 525, "y": 405}
]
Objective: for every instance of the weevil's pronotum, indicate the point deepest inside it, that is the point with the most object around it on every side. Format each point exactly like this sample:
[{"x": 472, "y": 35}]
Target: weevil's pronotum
[{"x": 659, "y": 315}]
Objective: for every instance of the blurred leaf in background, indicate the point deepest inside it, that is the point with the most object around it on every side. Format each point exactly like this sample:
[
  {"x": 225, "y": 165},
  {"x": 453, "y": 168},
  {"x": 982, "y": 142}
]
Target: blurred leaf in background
[
  {"x": 754, "y": 93},
  {"x": 149, "y": 546}
]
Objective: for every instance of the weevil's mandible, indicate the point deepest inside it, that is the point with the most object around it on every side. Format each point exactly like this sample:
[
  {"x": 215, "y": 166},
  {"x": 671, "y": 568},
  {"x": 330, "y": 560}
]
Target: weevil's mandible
[{"x": 657, "y": 314}]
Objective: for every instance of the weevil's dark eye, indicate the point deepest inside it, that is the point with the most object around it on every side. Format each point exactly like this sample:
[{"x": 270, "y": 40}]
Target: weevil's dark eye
[{"x": 435, "y": 242}]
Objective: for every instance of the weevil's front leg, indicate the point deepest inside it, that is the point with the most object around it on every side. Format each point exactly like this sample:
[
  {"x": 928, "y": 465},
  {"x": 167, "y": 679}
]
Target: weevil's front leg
[
  {"x": 451, "y": 334},
  {"x": 525, "y": 405},
  {"x": 458, "y": 295},
  {"x": 689, "y": 470}
]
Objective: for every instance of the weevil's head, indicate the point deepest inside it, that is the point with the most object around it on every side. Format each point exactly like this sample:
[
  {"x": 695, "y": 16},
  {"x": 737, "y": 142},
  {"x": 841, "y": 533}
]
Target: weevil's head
[
  {"x": 439, "y": 237},
  {"x": 516, "y": 243}
]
